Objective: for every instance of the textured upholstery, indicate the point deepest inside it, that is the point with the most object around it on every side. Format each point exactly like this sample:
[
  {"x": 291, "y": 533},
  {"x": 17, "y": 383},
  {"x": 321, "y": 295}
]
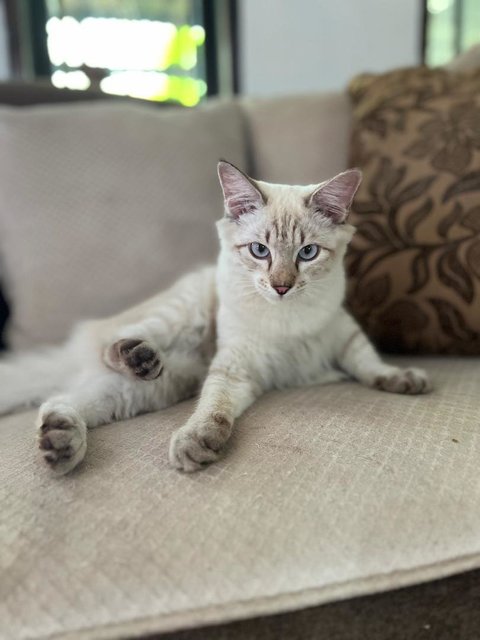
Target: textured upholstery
[
  {"x": 16, "y": 93},
  {"x": 324, "y": 494},
  {"x": 299, "y": 139},
  {"x": 104, "y": 204}
]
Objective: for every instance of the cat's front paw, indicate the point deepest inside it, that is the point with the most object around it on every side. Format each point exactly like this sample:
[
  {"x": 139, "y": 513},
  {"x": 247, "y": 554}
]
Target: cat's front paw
[
  {"x": 136, "y": 357},
  {"x": 62, "y": 442},
  {"x": 199, "y": 442},
  {"x": 409, "y": 381}
]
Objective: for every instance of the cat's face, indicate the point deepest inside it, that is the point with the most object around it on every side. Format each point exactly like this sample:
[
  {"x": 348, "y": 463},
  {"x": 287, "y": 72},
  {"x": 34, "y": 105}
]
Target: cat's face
[{"x": 285, "y": 239}]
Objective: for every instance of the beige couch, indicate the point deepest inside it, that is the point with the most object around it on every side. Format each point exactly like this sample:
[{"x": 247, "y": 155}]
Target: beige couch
[{"x": 325, "y": 494}]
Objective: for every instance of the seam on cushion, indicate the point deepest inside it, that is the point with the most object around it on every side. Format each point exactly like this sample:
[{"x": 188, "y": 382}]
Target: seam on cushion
[{"x": 272, "y": 605}]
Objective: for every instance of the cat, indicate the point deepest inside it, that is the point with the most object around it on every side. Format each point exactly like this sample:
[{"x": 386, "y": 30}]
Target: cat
[{"x": 269, "y": 316}]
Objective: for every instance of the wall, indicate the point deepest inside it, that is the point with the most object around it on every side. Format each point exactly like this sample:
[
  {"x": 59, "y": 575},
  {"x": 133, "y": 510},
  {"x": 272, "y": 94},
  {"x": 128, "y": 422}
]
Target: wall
[
  {"x": 3, "y": 45},
  {"x": 290, "y": 46}
]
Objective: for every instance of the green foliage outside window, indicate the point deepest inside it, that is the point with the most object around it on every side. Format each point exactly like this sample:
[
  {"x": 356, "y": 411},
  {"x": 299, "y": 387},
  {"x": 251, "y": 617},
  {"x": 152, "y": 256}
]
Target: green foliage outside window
[
  {"x": 452, "y": 26},
  {"x": 151, "y": 49}
]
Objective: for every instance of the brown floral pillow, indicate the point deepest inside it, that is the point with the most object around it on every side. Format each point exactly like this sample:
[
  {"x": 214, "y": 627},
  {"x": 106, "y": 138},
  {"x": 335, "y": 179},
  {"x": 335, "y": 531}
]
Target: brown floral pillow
[{"x": 414, "y": 263}]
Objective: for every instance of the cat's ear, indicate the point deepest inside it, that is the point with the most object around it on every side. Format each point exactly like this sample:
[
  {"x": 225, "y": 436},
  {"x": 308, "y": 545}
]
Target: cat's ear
[
  {"x": 334, "y": 197},
  {"x": 239, "y": 192}
]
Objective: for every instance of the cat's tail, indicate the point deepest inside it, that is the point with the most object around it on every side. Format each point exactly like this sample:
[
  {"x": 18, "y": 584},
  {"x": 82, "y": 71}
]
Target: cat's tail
[{"x": 27, "y": 379}]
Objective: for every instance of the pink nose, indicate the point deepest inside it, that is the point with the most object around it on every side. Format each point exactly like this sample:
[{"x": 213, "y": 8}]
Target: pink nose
[{"x": 281, "y": 290}]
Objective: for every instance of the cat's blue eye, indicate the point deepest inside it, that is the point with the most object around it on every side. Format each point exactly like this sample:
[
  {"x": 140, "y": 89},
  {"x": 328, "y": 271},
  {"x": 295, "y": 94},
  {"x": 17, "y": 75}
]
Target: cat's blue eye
[
  {"x": 259, "y": 251},
  {"x": 308, "y": 252}
]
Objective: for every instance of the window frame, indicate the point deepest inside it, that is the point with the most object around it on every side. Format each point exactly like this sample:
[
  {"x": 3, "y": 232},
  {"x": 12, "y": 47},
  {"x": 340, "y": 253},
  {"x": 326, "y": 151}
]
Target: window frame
[
  {"x": 458, "y": 24},
  {"x": 29, "y": 58}
]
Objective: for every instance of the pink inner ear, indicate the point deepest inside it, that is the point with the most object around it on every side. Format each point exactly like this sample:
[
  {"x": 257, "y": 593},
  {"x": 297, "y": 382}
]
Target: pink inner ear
[
  {"x": 333, "y": 199},
  {"x": 239, "y": 194}
]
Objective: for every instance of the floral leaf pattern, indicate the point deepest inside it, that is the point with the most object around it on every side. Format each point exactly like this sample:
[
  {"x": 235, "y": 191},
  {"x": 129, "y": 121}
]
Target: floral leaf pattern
[
  {"x": 448, "y": 138},
  {"x": 373, "y": 232},
  {"x": 420, "y": 272},
  {"x": 414, "y": 190},
  {"x": 418, "y": 216},
  {"x": 471, "y": 219},
  {"x": 451, "y": 320},
  {"x": 444, "y": 224},
  {"x": 453, "y": 274},
  {"x": 414, "y": 263},
  {"x": 473, "y": 258},
  {"x": 468, "y": 182}
]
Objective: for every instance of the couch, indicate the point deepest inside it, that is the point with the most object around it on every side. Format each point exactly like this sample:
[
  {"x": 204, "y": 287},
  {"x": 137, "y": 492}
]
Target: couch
[{"x": 337, "y": 512}]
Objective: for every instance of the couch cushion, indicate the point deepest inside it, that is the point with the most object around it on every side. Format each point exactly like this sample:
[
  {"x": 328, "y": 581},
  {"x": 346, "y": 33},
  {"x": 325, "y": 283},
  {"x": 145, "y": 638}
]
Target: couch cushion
[
  {"x": 105, "y": 204},
  {"x": 325, "y": 493},
  {"x": 299, "y": 139},
  {"x": 415, "y": 259}
]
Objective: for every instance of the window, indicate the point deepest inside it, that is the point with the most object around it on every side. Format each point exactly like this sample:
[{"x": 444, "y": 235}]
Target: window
[
  {"x": 451, "y": 26},
  {"x": 161, "y": 50}
]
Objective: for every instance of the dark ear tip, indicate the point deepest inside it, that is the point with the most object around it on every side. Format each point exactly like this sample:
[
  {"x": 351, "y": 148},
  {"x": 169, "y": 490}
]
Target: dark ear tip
[{"x": 227, "y": 163}]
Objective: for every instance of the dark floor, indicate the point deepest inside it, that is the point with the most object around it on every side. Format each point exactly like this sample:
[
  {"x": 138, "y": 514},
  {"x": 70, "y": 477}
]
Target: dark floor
[{"x": 447, "y": 609}]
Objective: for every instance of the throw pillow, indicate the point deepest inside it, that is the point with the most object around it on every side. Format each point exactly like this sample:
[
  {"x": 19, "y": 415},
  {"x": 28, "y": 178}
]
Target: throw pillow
[{"x": 414, "y": 263}]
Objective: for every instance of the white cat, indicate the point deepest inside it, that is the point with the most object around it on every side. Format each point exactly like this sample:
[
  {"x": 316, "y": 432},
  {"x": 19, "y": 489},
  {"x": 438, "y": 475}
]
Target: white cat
[{"x": 268, "y": 316}]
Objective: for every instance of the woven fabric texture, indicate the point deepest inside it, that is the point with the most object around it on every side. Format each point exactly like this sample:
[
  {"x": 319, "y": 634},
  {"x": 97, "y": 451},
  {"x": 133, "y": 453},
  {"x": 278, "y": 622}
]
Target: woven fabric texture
[
  {"x": 298, "y": 139},
  {"x": 325, "y": 493},
  {"x": 105, "y": 204}
]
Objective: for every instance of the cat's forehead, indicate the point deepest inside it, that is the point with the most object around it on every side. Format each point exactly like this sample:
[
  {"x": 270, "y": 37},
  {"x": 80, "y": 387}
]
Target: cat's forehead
[
  {"x": 281, "y": 198},
  {"x": 282, "y": 229},
  {"x": 286, "y": 217}
]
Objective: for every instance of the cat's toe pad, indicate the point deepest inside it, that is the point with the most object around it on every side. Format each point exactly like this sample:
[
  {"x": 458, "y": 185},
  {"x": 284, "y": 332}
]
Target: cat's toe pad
[
  {"x": 193, "y": 447},
  {"x": 136, "y": 356},
  {"x": 408, "y": 381},
  {"x": 62, "y": 442}
]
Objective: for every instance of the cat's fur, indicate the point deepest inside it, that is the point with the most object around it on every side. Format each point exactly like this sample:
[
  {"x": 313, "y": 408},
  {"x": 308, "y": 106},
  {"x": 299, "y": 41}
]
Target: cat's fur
[{"x": 227, "y": 328}]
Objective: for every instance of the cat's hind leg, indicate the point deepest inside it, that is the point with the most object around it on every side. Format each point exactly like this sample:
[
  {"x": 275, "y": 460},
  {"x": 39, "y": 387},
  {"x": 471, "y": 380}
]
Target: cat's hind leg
[
  {"x": 176, "y": 352},
  {"x": 134, "y": 356},
  {"x": 103, "y": 396},
  {"x": 63, "y": 420}
]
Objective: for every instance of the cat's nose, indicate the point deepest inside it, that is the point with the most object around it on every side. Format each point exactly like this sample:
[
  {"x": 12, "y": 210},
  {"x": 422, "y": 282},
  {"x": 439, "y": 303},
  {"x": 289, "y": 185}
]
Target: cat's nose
[{"x": 281, "y": 290}]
